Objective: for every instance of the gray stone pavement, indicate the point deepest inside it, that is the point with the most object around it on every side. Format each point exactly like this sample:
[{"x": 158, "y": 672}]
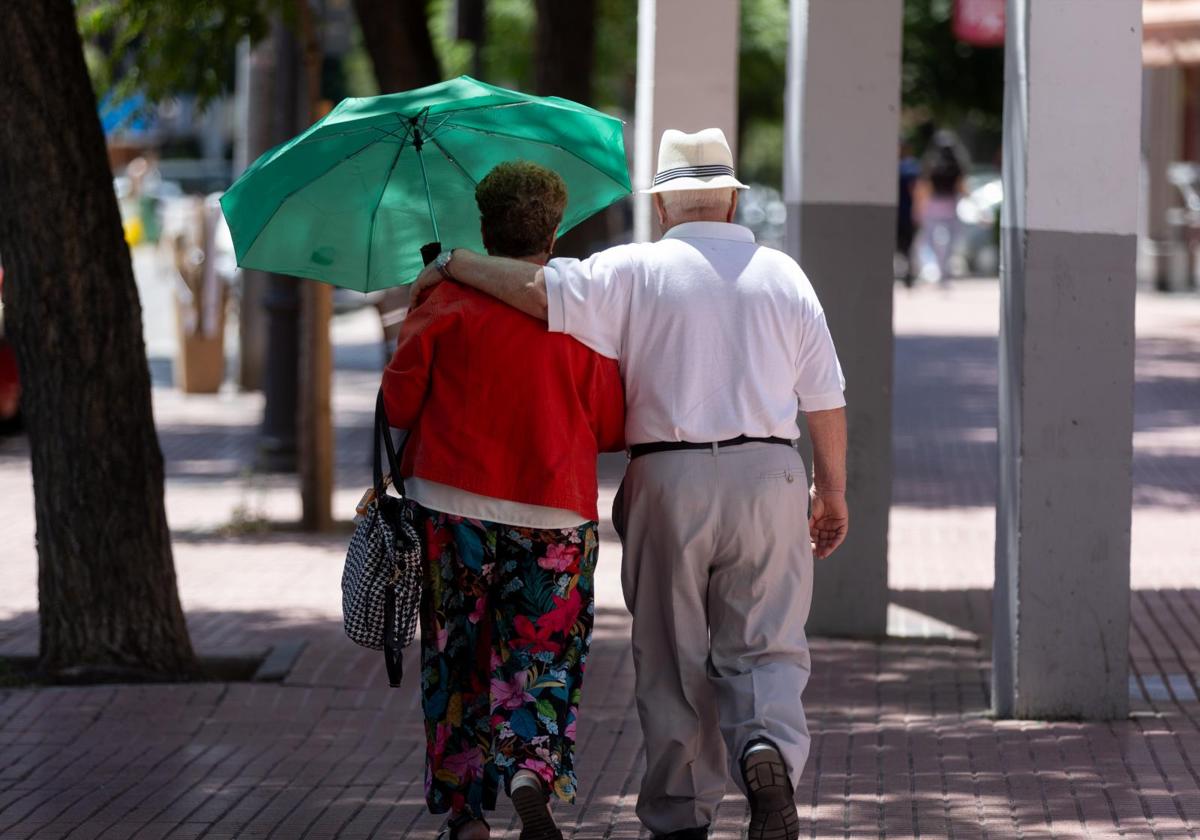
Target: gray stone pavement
[{"x": 903, "y": 744}]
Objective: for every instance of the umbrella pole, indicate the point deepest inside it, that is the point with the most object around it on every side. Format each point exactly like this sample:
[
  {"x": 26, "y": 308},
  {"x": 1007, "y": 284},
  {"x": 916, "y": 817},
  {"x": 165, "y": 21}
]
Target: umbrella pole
[{"x": 418, "y": 142}]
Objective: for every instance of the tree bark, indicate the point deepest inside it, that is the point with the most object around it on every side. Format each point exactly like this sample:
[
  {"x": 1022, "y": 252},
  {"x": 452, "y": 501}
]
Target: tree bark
[
  {"x": 564, "y": 61},
  {"x": 396, "y": 35},
  {"x": 565, "y": 49},
  {"x": 106, "y": 586}
]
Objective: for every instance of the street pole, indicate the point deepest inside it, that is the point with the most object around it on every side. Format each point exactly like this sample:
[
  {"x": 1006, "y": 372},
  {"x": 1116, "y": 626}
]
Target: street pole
[
  {"x": 281, "y": 299},
  {"x": 255, "y": 71}
]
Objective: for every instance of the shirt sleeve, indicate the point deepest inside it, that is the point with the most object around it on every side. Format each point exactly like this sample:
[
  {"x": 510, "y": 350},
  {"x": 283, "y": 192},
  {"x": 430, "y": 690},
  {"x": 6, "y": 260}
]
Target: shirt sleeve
[
  {"x": 820, "y": 385},
  {"x": 589, "y": 299},
  {"x": 406, "y": 378},
  {"x": 607, "y": 404}
]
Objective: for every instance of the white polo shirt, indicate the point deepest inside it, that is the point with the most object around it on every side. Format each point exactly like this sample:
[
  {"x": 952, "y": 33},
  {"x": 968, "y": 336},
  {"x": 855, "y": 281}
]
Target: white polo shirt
[{"x": 716, "y": 336}]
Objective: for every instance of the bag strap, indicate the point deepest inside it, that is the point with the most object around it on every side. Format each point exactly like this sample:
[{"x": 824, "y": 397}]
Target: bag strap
[
  {"x": 393, "y": 656},
  {"x": 383, "y": 433}
]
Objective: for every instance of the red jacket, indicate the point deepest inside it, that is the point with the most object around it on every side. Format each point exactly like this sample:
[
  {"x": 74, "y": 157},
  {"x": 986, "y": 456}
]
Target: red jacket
[{"x": 499, "y": 406}]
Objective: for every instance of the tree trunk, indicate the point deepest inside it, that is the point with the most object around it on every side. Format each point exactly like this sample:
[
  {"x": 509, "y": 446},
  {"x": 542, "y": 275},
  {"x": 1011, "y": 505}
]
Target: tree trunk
[
  {"x": 106, "y": 585},
  {"x": 396, "y": 35},
  {"x": 564, "y": 59},
  {"x": 565, "y": 49}
]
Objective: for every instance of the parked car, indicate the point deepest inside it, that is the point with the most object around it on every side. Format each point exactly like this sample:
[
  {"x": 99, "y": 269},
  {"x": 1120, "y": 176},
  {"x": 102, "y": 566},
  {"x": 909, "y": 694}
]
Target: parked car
[{"x": 979, "y": 213}]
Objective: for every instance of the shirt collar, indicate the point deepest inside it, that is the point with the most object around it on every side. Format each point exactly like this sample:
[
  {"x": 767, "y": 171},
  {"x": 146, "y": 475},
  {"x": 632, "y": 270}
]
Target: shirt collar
[{"x": 710, "y": 230}]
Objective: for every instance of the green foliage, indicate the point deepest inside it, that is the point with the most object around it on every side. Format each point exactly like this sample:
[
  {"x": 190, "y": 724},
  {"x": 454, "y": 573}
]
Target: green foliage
[
  {"x": 760, "y": 153},
  {"x": 614, "y": 84},
  {"x": 166, "y": 47},
  {"x": 507, "y": 49},
  {"x": 357, "y": 69},
  {"x": 944, "y": 80},
  {"x": 453, "y": 55},
  {"x": 762, "y": 59},
  {"x": 762, "y": 73}
]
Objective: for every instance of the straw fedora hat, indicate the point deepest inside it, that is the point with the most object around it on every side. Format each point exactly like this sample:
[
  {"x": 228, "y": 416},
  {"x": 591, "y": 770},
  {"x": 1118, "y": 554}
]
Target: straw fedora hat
[{"x": 700, "y": 161}]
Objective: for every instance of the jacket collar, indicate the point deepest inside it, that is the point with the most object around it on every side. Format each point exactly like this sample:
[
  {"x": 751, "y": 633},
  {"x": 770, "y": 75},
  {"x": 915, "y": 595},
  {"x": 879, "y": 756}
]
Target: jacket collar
[{"x": 710, "y": 230}]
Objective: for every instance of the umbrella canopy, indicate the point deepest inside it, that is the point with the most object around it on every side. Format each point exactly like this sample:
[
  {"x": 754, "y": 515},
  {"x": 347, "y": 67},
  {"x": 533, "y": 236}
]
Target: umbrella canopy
[{"x": 351, "y": 200}]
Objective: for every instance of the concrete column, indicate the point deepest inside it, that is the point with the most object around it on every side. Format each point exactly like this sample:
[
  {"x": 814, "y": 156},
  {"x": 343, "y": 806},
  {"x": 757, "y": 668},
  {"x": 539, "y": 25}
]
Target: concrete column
[
  {"x": 840, "y": 179},
  {"x": 1071, "y": 138},
  {"x": 687, "y": 79}
]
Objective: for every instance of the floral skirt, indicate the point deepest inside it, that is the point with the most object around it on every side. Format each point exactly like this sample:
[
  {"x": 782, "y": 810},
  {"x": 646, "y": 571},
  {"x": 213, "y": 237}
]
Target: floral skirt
[{"x": 506, "y": 622}]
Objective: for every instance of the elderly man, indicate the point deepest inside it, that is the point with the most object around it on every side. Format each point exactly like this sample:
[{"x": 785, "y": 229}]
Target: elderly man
[{"x": 721, "y": 342}]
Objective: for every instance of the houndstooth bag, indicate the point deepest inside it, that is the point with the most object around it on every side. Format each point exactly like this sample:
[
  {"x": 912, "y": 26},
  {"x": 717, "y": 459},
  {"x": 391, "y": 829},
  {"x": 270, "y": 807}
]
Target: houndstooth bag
[{"x": 381, "y": 582}]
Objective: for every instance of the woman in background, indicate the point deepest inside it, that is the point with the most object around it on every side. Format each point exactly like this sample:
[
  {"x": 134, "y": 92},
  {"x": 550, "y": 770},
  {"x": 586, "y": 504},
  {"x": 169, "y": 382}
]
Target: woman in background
[{"x": 936, "y": 207}]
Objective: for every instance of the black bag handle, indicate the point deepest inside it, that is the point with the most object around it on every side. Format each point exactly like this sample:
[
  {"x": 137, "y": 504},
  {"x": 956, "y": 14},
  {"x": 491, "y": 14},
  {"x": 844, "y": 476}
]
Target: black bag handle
[
  {"x": 383, "y": 433},
  {"x": 393, "y": 655}
]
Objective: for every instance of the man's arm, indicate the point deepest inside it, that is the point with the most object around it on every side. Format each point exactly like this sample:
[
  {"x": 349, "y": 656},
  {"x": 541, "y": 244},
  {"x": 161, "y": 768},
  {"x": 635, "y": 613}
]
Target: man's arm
[
  {"x": 521, "y": 285},
  {"x": 830, "y": 516}
]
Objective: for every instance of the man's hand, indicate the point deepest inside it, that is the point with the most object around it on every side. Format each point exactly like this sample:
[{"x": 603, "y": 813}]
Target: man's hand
[{"x": 829, "y": 522}]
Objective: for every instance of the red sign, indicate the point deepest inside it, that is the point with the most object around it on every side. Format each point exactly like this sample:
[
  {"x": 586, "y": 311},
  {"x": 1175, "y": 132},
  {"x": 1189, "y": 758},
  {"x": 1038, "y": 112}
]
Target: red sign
[{"x": 979, "y": 22}]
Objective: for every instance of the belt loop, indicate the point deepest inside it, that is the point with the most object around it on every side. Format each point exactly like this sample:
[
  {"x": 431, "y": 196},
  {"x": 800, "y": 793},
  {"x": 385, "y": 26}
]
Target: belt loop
[{"x": 715, "y": 447}]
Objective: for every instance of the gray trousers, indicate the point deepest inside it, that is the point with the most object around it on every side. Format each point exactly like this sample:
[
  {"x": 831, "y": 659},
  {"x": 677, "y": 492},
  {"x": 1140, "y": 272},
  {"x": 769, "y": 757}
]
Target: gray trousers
[{"x": 717, "y": 572}]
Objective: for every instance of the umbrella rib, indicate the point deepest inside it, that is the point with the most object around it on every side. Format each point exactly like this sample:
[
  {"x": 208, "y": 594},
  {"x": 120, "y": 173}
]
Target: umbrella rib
[
  {"x": 450, "y": 112},
  {"x": 454, "y": 161},
  {"x": 564, "y": 149},
  {"x": 375, "y": 209},
  {"x": 289, "y": 196},
  {"x": 335, "y": 134}
]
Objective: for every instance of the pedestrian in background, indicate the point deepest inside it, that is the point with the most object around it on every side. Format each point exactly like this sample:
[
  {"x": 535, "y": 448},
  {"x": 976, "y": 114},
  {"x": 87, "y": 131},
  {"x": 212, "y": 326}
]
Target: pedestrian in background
[
  {"x": 935, "y": 203},
  {"x": 906, "y": 223}
]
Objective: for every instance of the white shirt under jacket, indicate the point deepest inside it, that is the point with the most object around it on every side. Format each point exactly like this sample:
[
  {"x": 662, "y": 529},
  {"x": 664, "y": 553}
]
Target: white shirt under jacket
[{"x": 716, "y": 336}]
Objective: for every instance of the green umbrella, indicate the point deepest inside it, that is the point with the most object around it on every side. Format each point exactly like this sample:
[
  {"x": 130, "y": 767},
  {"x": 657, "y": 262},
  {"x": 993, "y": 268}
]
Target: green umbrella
[{"x": 351, "y": 200}]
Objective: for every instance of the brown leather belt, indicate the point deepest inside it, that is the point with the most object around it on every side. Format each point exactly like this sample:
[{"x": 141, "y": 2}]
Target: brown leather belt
[{"x": 640, "y": 449}]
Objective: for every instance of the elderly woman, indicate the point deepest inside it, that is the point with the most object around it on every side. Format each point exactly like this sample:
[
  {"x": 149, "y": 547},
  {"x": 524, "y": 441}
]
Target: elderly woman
[{"x": 506, "y": 421}]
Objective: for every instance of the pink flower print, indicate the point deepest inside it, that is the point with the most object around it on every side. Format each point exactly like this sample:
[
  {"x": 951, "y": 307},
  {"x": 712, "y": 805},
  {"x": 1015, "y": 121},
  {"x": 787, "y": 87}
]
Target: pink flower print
[
  {"x": 560, "y": 558},
  {"x": 511, "y": 695},
  {"x": 541, "y": 768},
  {"x": 465, "y": 765},
  {"x": 477, "y": 613},
  {"x": 569, "y": 732},
  {"x": 440, "y": 736},
  {"x": 442, "y": 637}
]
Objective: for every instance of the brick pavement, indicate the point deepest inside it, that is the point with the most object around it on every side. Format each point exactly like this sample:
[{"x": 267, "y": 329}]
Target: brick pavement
[{"x": 903, "y": 746}]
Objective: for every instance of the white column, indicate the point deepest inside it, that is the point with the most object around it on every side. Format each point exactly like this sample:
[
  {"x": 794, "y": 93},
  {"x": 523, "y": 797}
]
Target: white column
[
  {"x": 1071, "y": 144},
  {"x": 840, "y": 179},
  {"x": 687, "y": 78}
]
